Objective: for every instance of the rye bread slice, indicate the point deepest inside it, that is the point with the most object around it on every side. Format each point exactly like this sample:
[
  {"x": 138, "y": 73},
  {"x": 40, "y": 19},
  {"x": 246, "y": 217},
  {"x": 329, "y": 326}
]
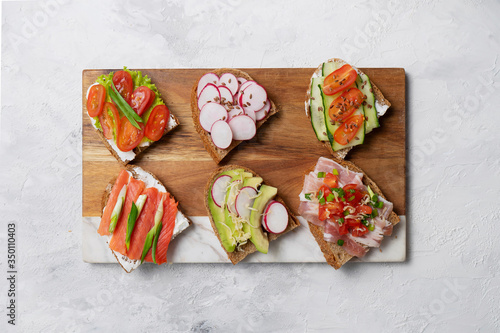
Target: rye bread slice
[
  {"x": 379, "y": 97},
  {"x": 335, "y": 255},
  {"x": 216, "y": 153},
  {"x": 122, "y": 259},
  {"x": 248, "y": 248}
]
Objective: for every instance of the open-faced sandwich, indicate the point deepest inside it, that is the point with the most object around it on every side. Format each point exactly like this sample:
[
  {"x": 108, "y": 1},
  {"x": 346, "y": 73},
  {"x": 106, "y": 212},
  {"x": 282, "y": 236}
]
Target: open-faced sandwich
[
  {"x": 245, "y": 213},
  {"x": 346, "y": 211},
  {"x": 139, "y": 218},
  {"x": 228, "y": 107},
  {"x": 128, "y": 113},
  {"x": 343, "y": 106}
]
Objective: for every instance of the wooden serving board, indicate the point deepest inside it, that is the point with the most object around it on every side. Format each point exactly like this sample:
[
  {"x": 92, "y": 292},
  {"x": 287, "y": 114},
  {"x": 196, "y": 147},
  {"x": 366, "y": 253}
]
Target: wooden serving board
[{"x": 284, "y": 147}]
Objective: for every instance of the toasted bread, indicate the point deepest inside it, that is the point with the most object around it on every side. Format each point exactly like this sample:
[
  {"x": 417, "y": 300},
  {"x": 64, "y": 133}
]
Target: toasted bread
[
  {"x": 379, "y": 97},
  {"x": 249, "y": 247},
  {"x": 216, "y": 153},
  {"x": 335, "y": 255},
  {"x": 137, "y": 172}
]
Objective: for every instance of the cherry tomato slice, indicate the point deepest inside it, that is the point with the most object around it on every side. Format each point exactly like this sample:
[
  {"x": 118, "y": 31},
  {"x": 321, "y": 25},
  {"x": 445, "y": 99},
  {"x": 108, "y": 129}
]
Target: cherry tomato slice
[
  {"x": 359, "y": 230},
  {"x": 331, "y": 180},
  {"x": 157, "y": 122},
  {"x": 110, "y": 120},
  {"x": 141, "y": 99},
  {"x": 95, "y": 102},
  {"x": 347, "y": 131},
  {"x": 339, "y": 80},
  {"x": 124, "y": 84},
  {"x": 345, "y": 105},
  {"x": 129, "y": 136}
]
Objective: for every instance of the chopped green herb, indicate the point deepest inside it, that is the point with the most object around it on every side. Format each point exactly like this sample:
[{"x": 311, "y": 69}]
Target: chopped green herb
[
  {"x": 335, "y": 172},
  {"x": 330, "y": 197},
  {"x": 341, "y": 220},
  {"x": 322, "y": 201},
  {"x": 320, "y": 195},
  {"x": 321, "y": 174},
  {"x": 371, "y": 227},
  {"x": 308, "y": 196},
  {"x": 340, "y": 191},
  {"x": 340, "y": 242},
  {"x": 352, "y": 190},
  {"x": 346, "y": 213},
  {"x": 364, "y": 222},
  {"x": 374, "y": 213},
  {"x": 342, "y": 199},
  {"x": 351, "y": 198},
  {"x": 379, "y": 204}
]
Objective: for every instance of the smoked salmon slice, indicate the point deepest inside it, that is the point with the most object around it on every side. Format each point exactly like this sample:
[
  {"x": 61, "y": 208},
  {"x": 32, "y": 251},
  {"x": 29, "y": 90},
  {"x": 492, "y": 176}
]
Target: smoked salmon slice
[
  {"x": 144, "y": 223},
  {"x": 168, "y": 222},
  {"x": 117, "y": 243},
  {"x": 122, "y": 179}
]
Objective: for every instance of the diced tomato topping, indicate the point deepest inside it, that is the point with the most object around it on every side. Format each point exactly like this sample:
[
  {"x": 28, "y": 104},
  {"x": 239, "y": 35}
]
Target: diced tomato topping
[
  {"x": 364, "y": 209},
  {"x": 359, "y": 230},
  {"x": 323, "y": 213},
  {"x": 331, "y": 180},
  {"x": 343, "y": 229},
  {"x": 335, "y": 208},
  {"x": 352, "y": 195}
]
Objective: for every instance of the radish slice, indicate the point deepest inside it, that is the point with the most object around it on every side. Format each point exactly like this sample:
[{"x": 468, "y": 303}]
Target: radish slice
[
  {"x": 209, "y": 94},
  {"x": 225, "y": 95},
  {"x": 219, "y": 189},
  {"x": 251, "y": 114},
  {"x": 221, "y": 134},
  {"x": 244, "y": 200},
  {"x": 210, "y": 113},
  {"x": 254, "y": 97},
  {"x": 262, "y": 113},
  {"x": 240, "y": 92},
  {"x": 275, "y": 218},
  {"x": 241, "y": 80},
  {"x": 206, "y": 79},
  {"x": 243, "y": 127},
  {"x": 229, "y": 81},
  {"x": 234, "y": 111}
]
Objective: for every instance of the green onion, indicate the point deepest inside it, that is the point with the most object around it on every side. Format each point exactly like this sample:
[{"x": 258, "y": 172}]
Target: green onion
[
  {"x": 341, "y": 220},
  {"x": 352, "y": 191},
  {"x": 132, "y": 217},
  {"x": 155, "y": 242},
  {"x": 322, "y": 201},
  {"x": 117, "y": 209},
  {"x": 335, "y": 172},
  {"x": 148, "y": 243},
  {"x": 371, "y": 227},
  {"x": 379, "y": 204},
  {"x": 374, "y": 198},
  {"x": 342, "y": 199},
  {"x": 320, "y": 195},
  {"x": 330, "y": 197},
  {"x": 340, "y": 191},
  {"x": 364, "y": 222},
  {"x": 321, "y": 174},
  {"x": 308, "y": 196},
  {"x": 351, "y": 198},
  {"x": 374, "y": 213},
  {"x": 124, "y": 106},
  {"x": 346, "y": 213},
  {"x": 340, "y": 242}
]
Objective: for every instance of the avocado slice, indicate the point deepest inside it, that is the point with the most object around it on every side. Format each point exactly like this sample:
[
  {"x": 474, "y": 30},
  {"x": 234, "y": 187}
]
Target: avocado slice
[
  {"x": 252, "y": 182},
  {"x": 225, "y": 226},
  {"x": 258, "y": 237}
]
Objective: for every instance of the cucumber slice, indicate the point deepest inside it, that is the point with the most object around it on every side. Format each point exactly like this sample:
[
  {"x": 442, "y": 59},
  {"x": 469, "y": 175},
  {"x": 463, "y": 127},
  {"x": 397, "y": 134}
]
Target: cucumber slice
[
  {"x": 316, "y": 109},
  {"x": 329, "y": 67},
  {"x": 363, "y": 83}
]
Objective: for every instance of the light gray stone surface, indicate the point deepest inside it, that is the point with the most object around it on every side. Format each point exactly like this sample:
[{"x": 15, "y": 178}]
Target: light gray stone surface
[{"x": 449, "y": 49}]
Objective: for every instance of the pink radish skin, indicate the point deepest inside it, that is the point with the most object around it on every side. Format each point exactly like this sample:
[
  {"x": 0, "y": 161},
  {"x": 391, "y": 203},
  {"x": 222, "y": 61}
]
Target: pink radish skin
[
  {"x": 262, "y": 113},
  {"x": 219, "y": 189},
  {"x": 254, "y": 97},
  {"x": 206, "y": 79},
  {"x": 229, "y": 81},
  {"x": 275, "y": 218},
  {"x": 240, "y": 92},
  {"x": 210, "y": 113},
  {"x": 241, "y": 80},
  {"x": 209, "y": 94},
  {"x": 225, "y": 95},
  {"x": 251, "y": 114},
  {"x": 243, "y": 127},
  {"x": 235, "y": 111},
  {"x": 221, "y": 134},
  {"x": 245, "y": 199}
]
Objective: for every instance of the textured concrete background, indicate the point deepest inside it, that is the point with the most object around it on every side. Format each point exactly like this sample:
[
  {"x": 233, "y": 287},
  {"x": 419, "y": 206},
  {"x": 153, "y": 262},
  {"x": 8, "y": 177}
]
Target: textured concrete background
[{"x": 450, "y": 52}]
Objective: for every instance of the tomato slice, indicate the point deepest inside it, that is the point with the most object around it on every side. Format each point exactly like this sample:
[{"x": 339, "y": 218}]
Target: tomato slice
[
  {"x": 339, "y": 80},
  {"x": 157, "y": 122},
  {"x": 110, "y": 121},
  {"x": 359, "y": 230},
  {"x": 347, "y": 131},
  {"x": 141, "y": 99},
  {"x": 345, "y": 105},
  {"x": 331, "y": 180},
  {"x": 95, "y": 102},
  {"x": 129, "y": 136},
  {"x": 124, "y": 84}
]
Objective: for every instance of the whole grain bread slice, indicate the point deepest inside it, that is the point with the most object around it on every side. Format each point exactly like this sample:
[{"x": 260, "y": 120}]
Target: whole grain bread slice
[
  {"x": 128, "y": 264},
  {"x": 379, "y": 97},
  {"x": 335, "y": 255},
  {"x": 216, "y": 153},
  {"x": 248, "y": 248}
]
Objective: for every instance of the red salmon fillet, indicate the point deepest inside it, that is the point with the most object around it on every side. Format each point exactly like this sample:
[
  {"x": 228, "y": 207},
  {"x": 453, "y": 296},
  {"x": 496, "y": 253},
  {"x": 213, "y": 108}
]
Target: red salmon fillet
[
  {"x": 168, "y": 221},
  {"x": 144, "y": 223},
  {"x": 117, "y": 243},
  {"x": 113, "y": 196}
]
